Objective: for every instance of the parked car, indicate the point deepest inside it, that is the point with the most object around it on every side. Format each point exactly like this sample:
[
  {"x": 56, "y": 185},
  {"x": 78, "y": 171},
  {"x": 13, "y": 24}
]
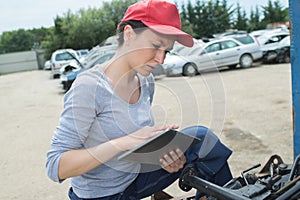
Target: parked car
[
  {"x": 96, "y": 52},
  {"x": 178, "y": 49},
  {"x": 229, "y": 33},
  {"x": 70, "y": 72},
  {"x": 270, "y": 40},
  {"x": 217, "y": 53},
  {"x": 47, "y": 65},
  {"x": 82, "y": 52},
  {"x": 112, "y": 40},
  {"x": 61, "y": 58},
  {"x": 279, "y": 53},
  {"x": 279, "y": 29}
]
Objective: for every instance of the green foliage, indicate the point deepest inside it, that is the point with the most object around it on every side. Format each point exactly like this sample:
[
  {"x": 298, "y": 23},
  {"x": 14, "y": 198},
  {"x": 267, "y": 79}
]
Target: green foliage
[
  {"x": 254, "y": 21},
  {"x": 274, "y": 12},
  {"x": 85, "y": 29},
  {"x": 205, "y": 18},
  {"x": 241, "y": 21}
]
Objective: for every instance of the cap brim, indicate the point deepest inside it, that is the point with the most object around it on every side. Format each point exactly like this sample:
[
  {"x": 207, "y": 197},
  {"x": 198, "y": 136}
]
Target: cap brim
[{"x": 182, "y": 37}]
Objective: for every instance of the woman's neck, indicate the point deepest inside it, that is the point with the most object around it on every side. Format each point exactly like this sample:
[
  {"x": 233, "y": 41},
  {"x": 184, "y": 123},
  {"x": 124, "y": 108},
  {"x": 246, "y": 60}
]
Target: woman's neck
[{"x": 123, "y": 79}]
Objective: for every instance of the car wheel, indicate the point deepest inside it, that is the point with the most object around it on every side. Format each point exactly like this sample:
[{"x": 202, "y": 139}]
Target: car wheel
[
  {"x": 55, "y": 76},
  {"x": 189, "y": 69},
  {"x": 68, "y": 85},
  {"x": 286, "y": 57},
  {"x": 246, "y": 61}
]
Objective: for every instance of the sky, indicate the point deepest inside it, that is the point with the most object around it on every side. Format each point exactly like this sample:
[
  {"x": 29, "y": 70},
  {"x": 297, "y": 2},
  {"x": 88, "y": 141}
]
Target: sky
[{"x": 29, "y": 14}]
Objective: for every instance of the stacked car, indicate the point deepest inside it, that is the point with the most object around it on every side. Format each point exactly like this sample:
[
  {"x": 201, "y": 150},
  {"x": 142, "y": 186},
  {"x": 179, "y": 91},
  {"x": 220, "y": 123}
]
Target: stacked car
[{"x": 275, "y": 45}]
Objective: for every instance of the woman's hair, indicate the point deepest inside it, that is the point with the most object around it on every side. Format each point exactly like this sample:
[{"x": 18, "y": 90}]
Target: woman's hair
[{"x": 136, "y": 25}]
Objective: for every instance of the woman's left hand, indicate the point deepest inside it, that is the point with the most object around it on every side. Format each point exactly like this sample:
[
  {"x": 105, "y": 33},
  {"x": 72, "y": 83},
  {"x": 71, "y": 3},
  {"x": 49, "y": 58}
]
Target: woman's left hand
[{"x": 173, "y": 161}]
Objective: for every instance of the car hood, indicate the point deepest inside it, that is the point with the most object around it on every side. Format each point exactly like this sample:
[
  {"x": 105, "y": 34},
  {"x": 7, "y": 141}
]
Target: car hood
[{"x": 173, "y": 59}]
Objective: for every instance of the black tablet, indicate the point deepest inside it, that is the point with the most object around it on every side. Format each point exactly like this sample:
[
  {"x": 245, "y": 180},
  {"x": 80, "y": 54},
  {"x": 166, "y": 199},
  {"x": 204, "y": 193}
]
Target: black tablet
[{"x": 153, "y": 149}]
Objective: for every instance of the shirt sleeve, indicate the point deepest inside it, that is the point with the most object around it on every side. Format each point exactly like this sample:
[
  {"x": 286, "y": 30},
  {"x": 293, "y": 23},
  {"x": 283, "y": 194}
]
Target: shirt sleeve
[{"x": 74, "y": 124}]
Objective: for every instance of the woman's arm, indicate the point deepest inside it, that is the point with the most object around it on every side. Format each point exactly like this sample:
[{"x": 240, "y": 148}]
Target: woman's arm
[{"x": 78, "y": 162}]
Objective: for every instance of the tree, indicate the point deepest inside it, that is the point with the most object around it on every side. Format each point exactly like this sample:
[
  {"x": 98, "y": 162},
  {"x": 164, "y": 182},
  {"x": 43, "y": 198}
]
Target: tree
[
  {"x": 241, "y": 21},
  {"x": 206, "y": 18},
  {"x": 19, "y": 40},
  {"x": 254, "y": 21},
  {"x": 273, "y": 12},
  {"x": 87, "y": 28}
]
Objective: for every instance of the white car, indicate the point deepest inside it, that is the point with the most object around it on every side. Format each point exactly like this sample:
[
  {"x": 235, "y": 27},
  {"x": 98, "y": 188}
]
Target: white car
[
  {"x": 270, "y": 40},
  {"x": 280, "y": 53},
  {"x": 61, "y": 58},
  {"x": 82, "y": 52},
  {"x": 47, "y": 65},
  {"x": 243, "y": 50}
]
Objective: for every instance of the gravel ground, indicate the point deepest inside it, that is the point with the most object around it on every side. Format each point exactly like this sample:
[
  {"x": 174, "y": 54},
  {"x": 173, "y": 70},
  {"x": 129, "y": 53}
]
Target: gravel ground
[{"x": 249, "y": 109}]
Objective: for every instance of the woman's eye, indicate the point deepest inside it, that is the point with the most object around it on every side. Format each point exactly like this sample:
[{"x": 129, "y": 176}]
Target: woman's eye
[{"x": 156, "y": 46}]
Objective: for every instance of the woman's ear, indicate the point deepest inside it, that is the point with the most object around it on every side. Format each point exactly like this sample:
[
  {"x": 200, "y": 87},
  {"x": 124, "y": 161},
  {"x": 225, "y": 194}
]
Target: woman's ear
[{"x": 129, "y": 35}]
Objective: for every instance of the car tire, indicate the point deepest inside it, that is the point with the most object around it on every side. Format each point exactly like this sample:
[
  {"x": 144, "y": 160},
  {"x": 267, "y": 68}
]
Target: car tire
[
  {"x": 246, "y": 61},
  {"x": 68, "y": 85},
  {"x": 189, "y": 69},
  {"x": 286, "y": 57},
  {"x": 55, "y": 76}
]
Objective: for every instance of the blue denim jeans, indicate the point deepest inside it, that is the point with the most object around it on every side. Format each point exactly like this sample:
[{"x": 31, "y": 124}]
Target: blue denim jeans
[{"x": 209, "y": 158}]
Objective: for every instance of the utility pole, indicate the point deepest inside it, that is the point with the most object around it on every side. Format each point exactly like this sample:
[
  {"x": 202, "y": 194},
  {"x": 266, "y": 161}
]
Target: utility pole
[{"x": 294, "y": 8}]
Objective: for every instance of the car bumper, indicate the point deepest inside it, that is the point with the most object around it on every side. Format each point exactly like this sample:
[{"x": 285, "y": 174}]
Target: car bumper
[
  {"x": 257, "y": 55},
  {"x": 173, "y": 70}
]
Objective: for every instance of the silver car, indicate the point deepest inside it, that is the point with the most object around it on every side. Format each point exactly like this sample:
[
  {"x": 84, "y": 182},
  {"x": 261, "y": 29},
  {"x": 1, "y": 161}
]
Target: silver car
[
  {"x": 230, "y": 52},
  {"x": 270, "y": 40}
]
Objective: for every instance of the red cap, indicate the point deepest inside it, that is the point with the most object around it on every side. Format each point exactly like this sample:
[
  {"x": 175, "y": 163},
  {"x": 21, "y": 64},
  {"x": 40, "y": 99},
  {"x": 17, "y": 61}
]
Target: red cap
[{"x": 160, "y": 16}]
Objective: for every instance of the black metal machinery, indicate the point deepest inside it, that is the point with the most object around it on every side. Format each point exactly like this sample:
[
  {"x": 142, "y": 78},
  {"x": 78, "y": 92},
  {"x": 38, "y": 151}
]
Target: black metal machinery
[{"x": 276, "y": 180}]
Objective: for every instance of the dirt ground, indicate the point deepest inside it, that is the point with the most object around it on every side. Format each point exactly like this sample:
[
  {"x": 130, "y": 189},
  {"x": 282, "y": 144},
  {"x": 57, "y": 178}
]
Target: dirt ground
[{"x": 250, "y": 110}]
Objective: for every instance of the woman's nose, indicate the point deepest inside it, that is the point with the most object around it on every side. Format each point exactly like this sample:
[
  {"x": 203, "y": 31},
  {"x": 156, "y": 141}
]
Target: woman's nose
[{"x": 160, "y": 56}]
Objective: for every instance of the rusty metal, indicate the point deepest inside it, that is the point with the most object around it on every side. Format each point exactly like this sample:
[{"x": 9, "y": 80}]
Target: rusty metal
[{"x": 277, "y": 180}]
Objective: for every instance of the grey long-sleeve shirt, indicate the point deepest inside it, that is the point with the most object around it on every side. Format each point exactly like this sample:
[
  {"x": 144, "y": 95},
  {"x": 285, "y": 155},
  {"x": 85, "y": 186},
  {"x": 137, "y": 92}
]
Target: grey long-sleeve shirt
[{"x": 94, "y": 114}]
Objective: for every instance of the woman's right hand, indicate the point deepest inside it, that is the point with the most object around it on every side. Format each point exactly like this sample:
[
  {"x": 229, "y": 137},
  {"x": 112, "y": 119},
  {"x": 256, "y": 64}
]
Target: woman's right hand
[{"x": 142, "y": 135}]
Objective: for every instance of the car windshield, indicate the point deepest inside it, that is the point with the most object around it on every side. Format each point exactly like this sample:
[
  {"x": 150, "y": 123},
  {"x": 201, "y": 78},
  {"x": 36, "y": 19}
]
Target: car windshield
[
  {"x": 267, "y": 39},
  {"x": 64, "y": 56}
]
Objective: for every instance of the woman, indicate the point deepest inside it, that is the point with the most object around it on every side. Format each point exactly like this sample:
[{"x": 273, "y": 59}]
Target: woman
[{"x": 108, "y": 111}]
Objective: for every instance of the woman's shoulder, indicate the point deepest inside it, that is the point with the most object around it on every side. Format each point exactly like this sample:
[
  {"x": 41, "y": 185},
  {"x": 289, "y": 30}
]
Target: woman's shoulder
[{"x": 91, "y": 76}]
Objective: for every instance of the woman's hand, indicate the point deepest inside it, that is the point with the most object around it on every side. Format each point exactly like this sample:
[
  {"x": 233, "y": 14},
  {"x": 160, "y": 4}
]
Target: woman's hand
[
  {"x": 141, "y": 136},
  {"x": 173, "y": 161}
]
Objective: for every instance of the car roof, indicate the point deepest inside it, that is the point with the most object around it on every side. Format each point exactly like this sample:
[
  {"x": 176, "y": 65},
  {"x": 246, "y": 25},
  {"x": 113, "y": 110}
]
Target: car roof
[{"x": 63, "y": 50}]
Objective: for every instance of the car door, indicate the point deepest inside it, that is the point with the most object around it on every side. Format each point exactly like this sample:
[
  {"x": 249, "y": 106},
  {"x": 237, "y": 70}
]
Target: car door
[
  {"x": 208, "y": 58},
  {"x": 229, "y": 53}
]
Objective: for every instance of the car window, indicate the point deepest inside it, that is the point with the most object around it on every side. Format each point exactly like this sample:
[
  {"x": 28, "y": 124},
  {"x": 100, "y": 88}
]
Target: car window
[
  {"x": 228, "y": 44},
  {"x": 63, "y": 56},
  {"x": 212, "y": 48},
  {"x": 271, "y": 39},
  {"x": 245, "y": 39}
]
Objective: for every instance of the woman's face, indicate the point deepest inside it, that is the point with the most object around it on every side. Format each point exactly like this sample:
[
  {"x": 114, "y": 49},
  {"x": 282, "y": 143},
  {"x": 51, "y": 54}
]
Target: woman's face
[{"x": 147, "y": 50}]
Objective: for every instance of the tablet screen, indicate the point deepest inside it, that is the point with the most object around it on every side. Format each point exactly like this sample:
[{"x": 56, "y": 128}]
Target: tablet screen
[{"x": 153, "y": 149}]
